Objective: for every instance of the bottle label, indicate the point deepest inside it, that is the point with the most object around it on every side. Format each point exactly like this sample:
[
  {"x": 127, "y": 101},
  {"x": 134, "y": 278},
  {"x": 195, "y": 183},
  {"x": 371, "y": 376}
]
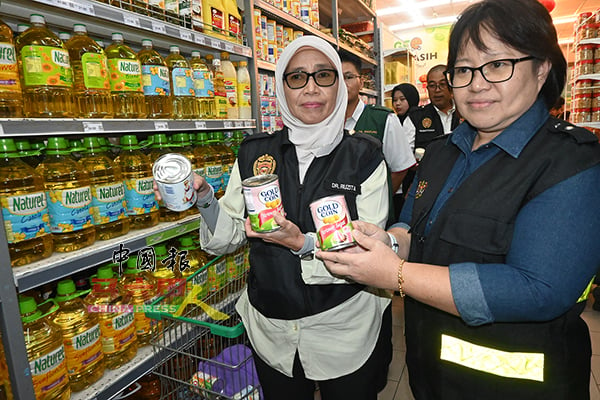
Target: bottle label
[
  {"x": 108, "y": 203},
  {"x": 227, "y": 169},
  {"x": 214, "y": 176},
  {"x": 95, "y": 71},
  {"x": 183, "y": 83},
  {"x": 231, "y": 90},
  {"x": 46, "y": 66},
  {"x": 69, "y": 209},
  {"x": 155, "y": 79},
  {"x": 221, "y": 103},
  {"x": 217, "y": 21},
  {"x": 125, "y": 75},
  {"x": 49, "y": 371},
  {"x": 217, "y": 275},
  {"x": 139, "y": 196},
  {"x": 234, "y": 28},
  {"x": 83, "y": 350},
  {"x": 25, "y": 216},
  {"x": 199, "y": 171},
  {"x": 9, "y": 71},
  {"x": 201, "y": 280},
  {"x": 203, "y": 85},
  {"x": 244, "y": 94},
  {"x": 117, "y": 332}
]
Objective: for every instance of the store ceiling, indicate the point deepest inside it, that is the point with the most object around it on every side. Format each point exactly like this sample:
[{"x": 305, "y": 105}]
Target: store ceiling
[{"x": 423, "y": 9}]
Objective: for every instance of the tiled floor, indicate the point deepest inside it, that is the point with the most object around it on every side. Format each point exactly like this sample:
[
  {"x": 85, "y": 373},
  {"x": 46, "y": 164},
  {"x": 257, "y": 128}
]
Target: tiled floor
[{"x": 398, "y": 389}]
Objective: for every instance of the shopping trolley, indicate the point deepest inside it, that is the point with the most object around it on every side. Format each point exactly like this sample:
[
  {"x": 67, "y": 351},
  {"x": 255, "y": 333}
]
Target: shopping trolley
[{"x": 201, "y": 351}]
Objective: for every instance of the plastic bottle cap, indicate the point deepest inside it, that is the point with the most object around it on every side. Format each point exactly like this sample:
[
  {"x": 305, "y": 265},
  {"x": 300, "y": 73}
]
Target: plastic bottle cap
[
  {"x": 117, "y": 37},
  {"x": 128, "y": 140},
  {"x": 224, "y": 55},
  {"x": 174, "y": 49},
  {"x": 105, "y": 272},
  {"x": 64, "y": 36},
  {"x": 195, "y": 54},
  {"x": 186, "y": 241},
  {"x": 79, "y": 28},
  {"x": 7, "y": 146},
  {"x": 57, "y": 144},
  {"x": 100, "y": 42},
  {"x": 146, "y": 42},
  {"x": 37, "y": 19},
  {"x": 243, "y": 63},
  {"x": 22, "y": 27},
  {"x": 181, "y": 138},
  {"x": 160, "y": 250},
  {"x": 92, "y": 143},
  {"x": 65, "y": 287},
  {"x": 27, "y": 304}
]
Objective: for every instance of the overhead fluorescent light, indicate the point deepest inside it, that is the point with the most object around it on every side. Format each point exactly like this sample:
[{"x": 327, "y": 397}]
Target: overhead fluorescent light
[
  {"x": 564, "y": 20},
  {"x": 411, "y": 7},
  {"x": 425, "y": 22},
  {"x": 565, "y": 41}
]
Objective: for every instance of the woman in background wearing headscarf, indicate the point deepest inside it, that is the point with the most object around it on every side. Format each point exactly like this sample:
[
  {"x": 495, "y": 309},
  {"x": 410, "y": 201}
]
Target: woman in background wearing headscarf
[
  {"x": 305, "y": 324},
  {"x": 405, "y": 99}
]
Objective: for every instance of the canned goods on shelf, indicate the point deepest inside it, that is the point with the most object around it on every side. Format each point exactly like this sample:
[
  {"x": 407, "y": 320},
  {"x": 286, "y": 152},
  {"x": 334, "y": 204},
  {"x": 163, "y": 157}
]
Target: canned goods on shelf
[
  {"x": 585, "y": 52},
  {"x": 582, "y": 100},
  {"x": 596, "y": 98},
  {"x": 585, "y": 17},
  {"x": 586, "y": 31},
  {"x": 584, "y": 67},
  {"x": 595, "y": 114}
]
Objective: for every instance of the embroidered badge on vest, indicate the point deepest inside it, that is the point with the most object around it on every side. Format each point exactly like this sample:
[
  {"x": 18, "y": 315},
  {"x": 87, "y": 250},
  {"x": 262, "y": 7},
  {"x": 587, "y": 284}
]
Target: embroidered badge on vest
[
  {"x": 426, "y": 122},
  {"x": 264, "y": 165},
  {"x": 420, "y": 189}
]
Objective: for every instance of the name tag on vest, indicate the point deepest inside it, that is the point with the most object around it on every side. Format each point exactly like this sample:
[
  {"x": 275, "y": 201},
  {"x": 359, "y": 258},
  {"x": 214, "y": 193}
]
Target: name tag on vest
[{"x": 345, "y": 187}]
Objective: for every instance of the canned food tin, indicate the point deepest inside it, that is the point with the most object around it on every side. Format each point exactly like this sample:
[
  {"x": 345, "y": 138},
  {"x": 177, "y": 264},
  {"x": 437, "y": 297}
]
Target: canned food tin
[
  {"x": 263, "y": 200},
  {"x": 175, "y": 180},
  {"x": 330, "y": 215}
]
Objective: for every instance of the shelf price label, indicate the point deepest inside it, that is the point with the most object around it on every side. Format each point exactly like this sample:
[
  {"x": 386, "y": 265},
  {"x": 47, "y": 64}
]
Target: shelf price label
[
  {"x": 199, "y": 39},
  {"x": 71, "y": 5},
  {"x": 200, "y": 124},
  {"x": 159, "y": 27},
  {"x": 91, "y": 127},
  {"x": 185, "y": 35},
  {"x": 131, "y": 20},
  {"x": 249, "y": 123},
  {"x": 161, "y": 125},
  {"x": 239, "y": 124},
  {"x": 229, "y": 47},
  {"x": 215, "y": 43},
  {"x": 227, "y": 124}
]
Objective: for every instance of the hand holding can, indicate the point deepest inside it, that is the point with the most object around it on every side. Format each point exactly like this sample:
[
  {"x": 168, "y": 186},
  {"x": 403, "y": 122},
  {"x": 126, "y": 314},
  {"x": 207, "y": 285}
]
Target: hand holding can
[
  {"x": 333, "y": 225},
  {"x": 263, "y": 199}
]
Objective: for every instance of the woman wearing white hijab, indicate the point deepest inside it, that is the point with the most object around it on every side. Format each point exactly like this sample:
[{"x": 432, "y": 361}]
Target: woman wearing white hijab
[{"x": 306, "y": 325}]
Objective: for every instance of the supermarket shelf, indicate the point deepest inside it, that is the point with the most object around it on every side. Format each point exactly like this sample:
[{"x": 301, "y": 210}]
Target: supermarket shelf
[
  {"x": 60, "y": 265},
  {"x": 265, "y": 65},
  {"x": 103, "y": 19},
  {"x": 595, "y": 125},
  {"x": 588, "y": 41},
  {"x": 358, "y": 54},
  {"x": 289, "y": 20},
  {"x": 595, "y": 77},
  {"x": 369, "y": 92},
  {"x": 57, "y": 126},
  {"x": 349, "y": 11}
]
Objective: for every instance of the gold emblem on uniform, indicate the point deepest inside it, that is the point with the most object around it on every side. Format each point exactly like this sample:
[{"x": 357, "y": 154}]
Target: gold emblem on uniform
[
  {"x": 420, "y": 189},
  {"x": 264, "y": 165},
  {"x": 426, "y": 122}
]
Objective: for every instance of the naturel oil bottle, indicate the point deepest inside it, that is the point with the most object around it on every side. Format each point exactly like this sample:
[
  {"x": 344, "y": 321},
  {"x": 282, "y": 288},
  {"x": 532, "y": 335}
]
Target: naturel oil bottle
[
  {"x": 108, "y": 207},
  {"x": 156, "y": 82},
  {"x": 69, "y": 197},
  {"x": 11, "y": 98},
  {"x": 182, "y": 85},
  {"x": 24, "y": 208}
]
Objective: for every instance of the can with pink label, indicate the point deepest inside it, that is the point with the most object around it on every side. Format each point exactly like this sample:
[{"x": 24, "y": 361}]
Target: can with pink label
[
  {"x": 330, "y": 215},
  {"x": 263, "y": 200},
  {"x": 175, "y": 180}
]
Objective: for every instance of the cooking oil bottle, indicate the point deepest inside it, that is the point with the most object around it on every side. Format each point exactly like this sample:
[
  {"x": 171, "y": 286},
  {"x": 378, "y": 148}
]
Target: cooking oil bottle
[
  {"x": 80, "y": 332},
  {"x": 213, "y": 165},
  {"x": 231, "y": 86},
  {"x": 235, "y": 269},
  {"x": 5, "y": 389},
  {"x": 217, "y": 142},
  {"x": 125, "y": 80},
  {"x": 165, "y": 270},
  {"x": 11, "y": 98},
  {"x": 156, "y": 82},
  {"x": 221, "y": 104},
  {"x": 203, "y": 87},
  {"x": 234, "y": 21},
  {"x": 24, "y": 208},
  {"x": 141, "y": 286},
  {"x": 136, "y": 167},
  {"x": 27, "y": 154},
  {"x": 91, "y": 86},
  {"x": 213, "y": 17},
  {"x": 45, "y": 352},
  {"x": 217, "y": 280},
  {"x": 117, "y": 321},
  {"x": 244, "y": 95},
  {"x": 236, "y": 141},
  {"x": 69, "y": 196},
  {"x": 108, "y": 193},
  {"x": 64, "y": 36},
  {"x": 193, "y": 261},
  {"x": 182, "y": 85},
  {"x": 46, "y": 73}
]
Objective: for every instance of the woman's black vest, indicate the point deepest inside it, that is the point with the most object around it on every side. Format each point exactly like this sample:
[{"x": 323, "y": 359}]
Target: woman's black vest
[
  {"x": 476, "y": 225},
  {"x": 275, "y": 285}
]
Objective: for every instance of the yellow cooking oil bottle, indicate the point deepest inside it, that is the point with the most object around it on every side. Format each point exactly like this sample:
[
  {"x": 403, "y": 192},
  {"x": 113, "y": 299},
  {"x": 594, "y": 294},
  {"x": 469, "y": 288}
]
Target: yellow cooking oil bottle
[
  {"x": 45, "y": 352},
  {"x": 24, "y": 208},
  {"x": 181, "y": 143},
  {"x": 203, "y": 87},
  {"x": 234, "y": 21},
  {"x": 156, "y": 82},
  {"x": 116, "y": 318},
  {"x": 136, "y": 167},
  {"x": 125, "y": 73},
  {"x": 182, "y": 85},
  {"x": 244, "y": 95},
  {"x": 108, "y": 209},
  {"x": 167, "y": 273},
  {"x": 235, "y": 269},
  {"x": 192, "y": 266},
  {"x": 91, "y": 84},
  {"x": 221, "y": 103},
  {"x": 69, "y": 196},
  {"x": 47, "y": 78},
  {"x": 80, "y": 332},
  {"x": 213, "y": 164},
  {"x": 27, "y": 154},
  {"x": 217, "y": 280},
  {"x": 214, "y": 19},
  {"x": 141, "y": 286},
  {"x": 231, "y": 86},
  {"x": 11, "y": 98},
  {"x": 5, "y": 389},
  {"x": 217, "y": 141}
]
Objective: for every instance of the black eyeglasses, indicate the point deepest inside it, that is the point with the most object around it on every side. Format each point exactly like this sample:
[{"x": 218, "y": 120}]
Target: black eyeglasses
[
  {"x": 347, "y": 77},
  {"x": 494, "y": 72},
  {"x": 437, "y": 86},
  {"x": 299, "y": 79}
]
